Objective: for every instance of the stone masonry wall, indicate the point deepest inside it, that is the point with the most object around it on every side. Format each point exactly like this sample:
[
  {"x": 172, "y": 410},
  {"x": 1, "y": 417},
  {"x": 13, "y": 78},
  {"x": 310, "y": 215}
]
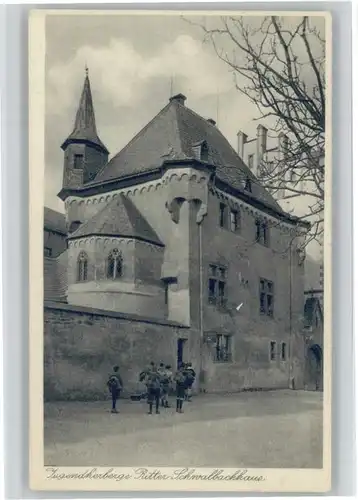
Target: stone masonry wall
[
  {"x": 251, "y": 333},
  {"x": 82, "y": 345}
]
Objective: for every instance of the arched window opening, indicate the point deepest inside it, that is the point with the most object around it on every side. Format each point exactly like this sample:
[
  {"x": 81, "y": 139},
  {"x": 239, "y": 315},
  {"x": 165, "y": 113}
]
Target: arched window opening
[
  {"x": 114, "y": 265},
  {"x": 82, "y": 267}
]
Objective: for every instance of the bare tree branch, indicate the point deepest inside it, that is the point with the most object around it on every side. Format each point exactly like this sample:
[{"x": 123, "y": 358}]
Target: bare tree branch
[{"x": 280, "y": 66}]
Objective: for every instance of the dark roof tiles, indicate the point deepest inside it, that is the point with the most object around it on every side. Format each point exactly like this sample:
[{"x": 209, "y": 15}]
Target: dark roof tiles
[
  {"x": 173, "y": 134},
  {"x": 54, "y": 221},
  {"x": 120, "y": 217},
  {"x": 85, "y": 123}
]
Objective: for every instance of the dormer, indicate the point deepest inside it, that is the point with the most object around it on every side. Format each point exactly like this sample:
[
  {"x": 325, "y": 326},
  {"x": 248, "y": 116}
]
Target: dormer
[{"x": 201, "y": 151}]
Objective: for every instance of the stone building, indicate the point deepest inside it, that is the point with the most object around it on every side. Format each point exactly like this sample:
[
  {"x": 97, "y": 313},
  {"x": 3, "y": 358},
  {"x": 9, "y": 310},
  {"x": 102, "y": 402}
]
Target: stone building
[
  {"x": 264, "y": 151},
  {"x": 174, "y": 251}
]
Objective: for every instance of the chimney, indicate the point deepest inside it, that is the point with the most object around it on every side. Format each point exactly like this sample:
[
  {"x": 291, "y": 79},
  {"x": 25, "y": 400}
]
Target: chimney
[
  {"x": 282, "y": 146},
  {"x": 261, "y": 141},
  {"x": 241, "y": 141},
  {"x": 180, "y": 98},
  {"x": 211, "y": 121},
  {"x": 261, "y": 145}
]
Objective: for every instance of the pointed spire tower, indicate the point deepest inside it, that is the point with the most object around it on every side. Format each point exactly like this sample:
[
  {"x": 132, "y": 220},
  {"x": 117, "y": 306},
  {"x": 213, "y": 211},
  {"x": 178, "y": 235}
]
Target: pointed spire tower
[{"x": 85, "y": 153}]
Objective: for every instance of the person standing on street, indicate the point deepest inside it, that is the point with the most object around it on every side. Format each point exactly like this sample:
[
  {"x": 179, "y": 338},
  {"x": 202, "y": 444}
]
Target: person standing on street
[
  {"x": 153, "y": 386},
  {"x": 190, "y": 379},
  {"x": 115, "y": 385},
  {"x": 166, "y": 382},
  {"x": 180, "y": 379}
]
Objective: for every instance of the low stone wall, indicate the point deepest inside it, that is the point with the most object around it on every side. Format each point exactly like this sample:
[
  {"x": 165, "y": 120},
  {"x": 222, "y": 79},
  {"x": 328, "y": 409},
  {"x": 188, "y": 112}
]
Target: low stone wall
[{"x": 81, "y": 346}]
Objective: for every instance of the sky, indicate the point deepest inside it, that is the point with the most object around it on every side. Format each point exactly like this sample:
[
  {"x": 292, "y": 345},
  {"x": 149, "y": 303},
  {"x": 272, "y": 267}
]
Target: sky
[{"x": 135, "y": 64}]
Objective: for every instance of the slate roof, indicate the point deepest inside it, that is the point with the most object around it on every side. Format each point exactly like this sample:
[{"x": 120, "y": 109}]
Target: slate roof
[
  {"x": 172, "y": 135},
  {"x": 54, "y": 221},
  {"x": 119, "y": 218},
  {"x": 85, "y": 122}
]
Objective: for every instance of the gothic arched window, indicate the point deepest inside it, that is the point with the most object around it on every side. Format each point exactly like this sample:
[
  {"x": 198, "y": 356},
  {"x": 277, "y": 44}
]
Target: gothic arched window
[
  {"x": 82, "y": 267},
  {"x": 114, "y": 265}
]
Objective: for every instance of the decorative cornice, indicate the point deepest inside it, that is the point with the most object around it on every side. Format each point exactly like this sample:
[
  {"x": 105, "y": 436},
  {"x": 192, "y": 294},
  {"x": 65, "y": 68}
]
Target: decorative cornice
[
  {"x": 83, "y": 241},
  {"x": 158, "y": 174},
  {"x": 134, "y": 179},
  {"x": 103, "y": 236},
  {"x": 250, "y": 204}
]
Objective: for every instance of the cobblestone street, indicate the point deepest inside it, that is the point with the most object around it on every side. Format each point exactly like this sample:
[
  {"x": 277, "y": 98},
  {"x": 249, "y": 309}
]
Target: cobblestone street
[{"x": 262, "y": 429}]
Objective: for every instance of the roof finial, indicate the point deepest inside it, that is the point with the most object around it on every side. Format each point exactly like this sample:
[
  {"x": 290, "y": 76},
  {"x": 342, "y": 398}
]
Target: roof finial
[{"x": 86, "y": 69}]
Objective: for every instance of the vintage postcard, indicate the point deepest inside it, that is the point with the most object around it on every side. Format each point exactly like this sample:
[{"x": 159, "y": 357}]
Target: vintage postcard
[{"x": 180, "y": 250}]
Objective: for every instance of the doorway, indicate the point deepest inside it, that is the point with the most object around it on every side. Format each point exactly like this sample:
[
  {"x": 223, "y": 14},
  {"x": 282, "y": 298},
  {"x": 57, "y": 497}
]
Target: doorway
[
  {"x": 315, "y": 368},
  {"x": 180, "y": 351}
]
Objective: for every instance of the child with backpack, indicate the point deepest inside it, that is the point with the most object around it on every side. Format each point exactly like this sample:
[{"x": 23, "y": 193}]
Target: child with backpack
[
  {"x": 115, "y": 385},
  {"x": 153, "y": 386},
  {"x": 166, "y": 381}
]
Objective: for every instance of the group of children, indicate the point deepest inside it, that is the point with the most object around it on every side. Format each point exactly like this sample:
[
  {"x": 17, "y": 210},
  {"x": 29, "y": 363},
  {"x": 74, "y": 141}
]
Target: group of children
[{"x": 159, "y": 382}]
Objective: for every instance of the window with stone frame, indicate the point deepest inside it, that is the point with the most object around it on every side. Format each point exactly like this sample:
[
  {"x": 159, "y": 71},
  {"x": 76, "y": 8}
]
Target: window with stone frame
[
  {"x": 223, "y": 348},
  {"x": 223, "y": 215},
  {"x": 283, "y": 351},
  {"x": 266, "y": 297},
  {"x": 78, "y": 161},
  {"x": 262, "y": 232},
  {"x": 114, "y": 265},
  {"x": 82, "y": 267},
  {"x": 217, "y": 285},
  {"x": 229, "y": 218},
  {"x": 234, "y": 220},
  {"x": 48, "y": 252},
  {"x": 273, "y": 349}
]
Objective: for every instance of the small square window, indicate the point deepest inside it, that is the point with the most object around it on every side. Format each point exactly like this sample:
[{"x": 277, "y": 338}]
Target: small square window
[
  {"x": 47, "y": 252},
  {"x": 78, "y": 161}
]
